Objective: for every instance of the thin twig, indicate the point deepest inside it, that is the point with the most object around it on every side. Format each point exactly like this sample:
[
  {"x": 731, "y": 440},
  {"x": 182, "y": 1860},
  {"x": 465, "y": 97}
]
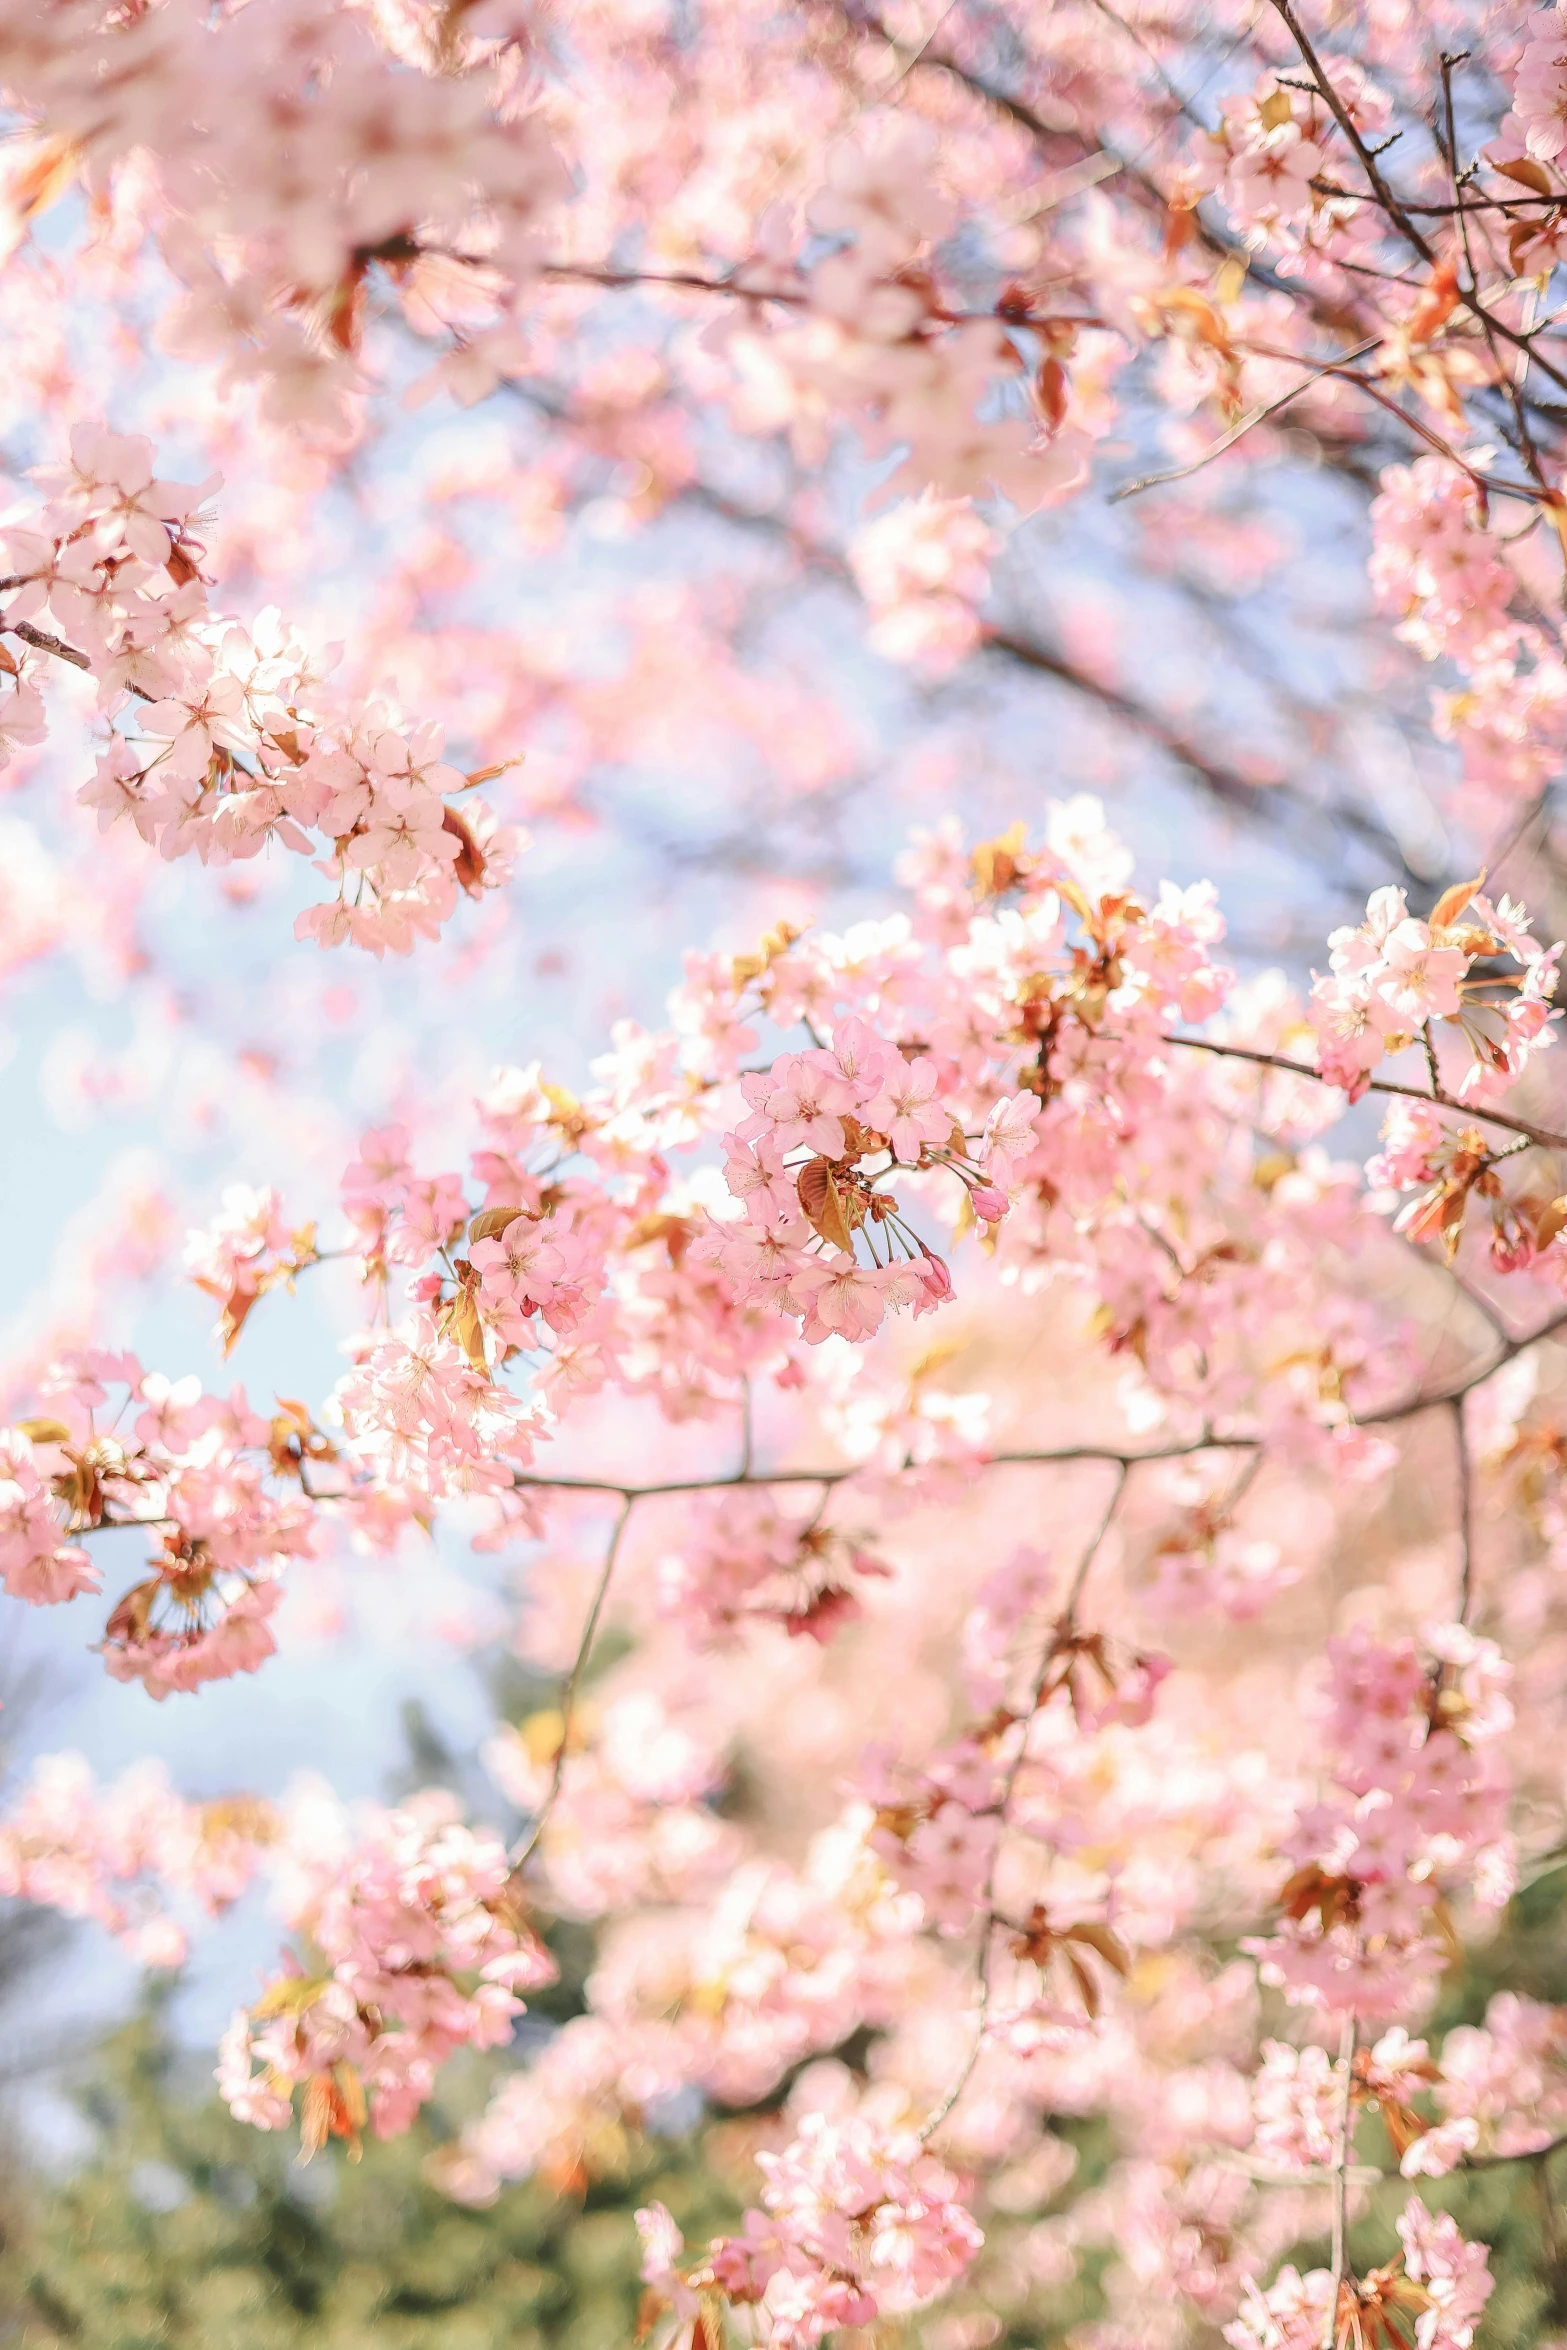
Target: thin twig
[
  {"x": 1346, "y": 2057},
  {"x": 1465, "y": 1511},
  {"x": 568, "y": 1695},
  {"x": 1413, "y": 1405},
  {"x": 1064, "y": 1626},
  {"x": 1260, "y": 415},
  {"x": 1119, "y": 1455},
  {"x": 1541, "y": 1135},
  {"x": 1383, "y": 195}
]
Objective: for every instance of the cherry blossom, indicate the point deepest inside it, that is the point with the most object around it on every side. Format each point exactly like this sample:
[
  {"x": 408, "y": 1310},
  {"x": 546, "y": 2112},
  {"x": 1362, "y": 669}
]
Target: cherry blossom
[{"x": 939, "y": 1406}]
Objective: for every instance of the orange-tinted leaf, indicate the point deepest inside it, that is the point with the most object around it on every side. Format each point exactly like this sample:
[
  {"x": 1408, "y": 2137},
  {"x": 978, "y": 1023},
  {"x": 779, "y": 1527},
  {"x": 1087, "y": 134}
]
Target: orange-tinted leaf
[
  {"x": 129, "y": 1619},
  {"x": 1085, "y": 1984},
  {"x": 1180, "y": 224},
  {"x": 478, "y": 775},
  {"x": 463, "y": 1324},
  {"x": 235, "y": 1314},
  {"x": 1527, "y": 173},
  {"x": 1109, "y": 1946},
  {"x": 291, "y": 1995},
  {"x": 45, "y": 179},
  {"x": 565, "y": 1109},
  {"x": 997, "y": 864},
  {"x": 1555, "y": 512},
  {"x": 352, "y": 2091},
  {"x": 708, "y": 2331},
  {"x": 315, "y": 2116},
  {"x": 490, "y": 1223},
  {"x": 823, "y": 1203},
  {"x": 1549, "y": 1222},
  {"x": 1452, "y": 901},
  {"x": 1230, "y": 283},
  {"x": 1076, "y": 899},
  {"x": 1438, "y": 301},
  {"x": 469, "y": 867},
  {"x": 674, "y": 1231},
  {"x": 1402, "y": 2126},
  {"x": 1050, "y": 390}
]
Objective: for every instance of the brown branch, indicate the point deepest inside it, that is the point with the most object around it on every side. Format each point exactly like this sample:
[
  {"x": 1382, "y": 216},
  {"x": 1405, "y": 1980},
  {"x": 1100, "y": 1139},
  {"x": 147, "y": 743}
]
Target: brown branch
[
  {"x": 1384, "y": 197},
  {"x": 1448, "y": 211},
  {"x": 1216, "y": 236},
  {"x": 1530, "y": 453},
  {"x": 1540, "y": 1135},
  {"x": 1346, "y": 2139},
  {"x": 1149, "y": 481},
  {"x": 692, "y": 281},
  {"x": 42, "y": 642},
  {"x": 1117, "y": 1455},
  {"x": 1270, "y": 805},
  {"x": 1224, "y": 782},
  {"x": 1430, "y": 1400},
  {"x": 568, "y": 1698},
  {"x": 1487, "y": 484},
  {"x": 1346, "y": 123},
  {"x": 989, "y": 1918}
]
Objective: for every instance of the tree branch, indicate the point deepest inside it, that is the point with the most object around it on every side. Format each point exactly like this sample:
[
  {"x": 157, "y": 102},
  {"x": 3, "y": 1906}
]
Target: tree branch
[
  {"x": 989, "y": 1919},
  {"x": 1540, "y": 1135},
  {"x": 568, "y": 1699},
  {"x": 1346, "y": 2136}
]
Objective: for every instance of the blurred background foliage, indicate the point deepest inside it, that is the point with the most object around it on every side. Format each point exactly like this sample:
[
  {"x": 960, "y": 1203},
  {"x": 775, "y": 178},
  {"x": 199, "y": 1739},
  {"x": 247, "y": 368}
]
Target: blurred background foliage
[
  {"x": 181, "y": 2228},
  {"x": 184, "y": 2228}
]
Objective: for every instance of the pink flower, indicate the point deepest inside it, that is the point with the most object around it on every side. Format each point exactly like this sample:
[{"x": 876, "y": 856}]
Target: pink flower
[
  {"x": 855, "y": 1066},
  {"x": 904, "y": 1108},
  {"x": 1271, "y": 181},
  {"x": 791, "y": 1102},
  {"x": 1418, "y": 978},
  {"x": 1456, "y": 2275},
  {"x": 1011, "y": 1136},
  {"x": 837, "y": 1296},
  {"x": 756, "y": 1174}
]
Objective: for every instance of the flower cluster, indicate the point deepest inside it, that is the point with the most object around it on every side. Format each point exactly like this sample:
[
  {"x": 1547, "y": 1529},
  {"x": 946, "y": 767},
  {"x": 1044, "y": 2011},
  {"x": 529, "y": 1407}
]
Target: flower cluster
[
  {"x": 245, "y": 1251},
  {"x": 857, "y": 2222},
  {"x": 923, "y": 568},
  {"x": 1439, "y": 2286},
  {"x": 970, "y": 1856},
  {"x": 1439, "y": 568},
  {"x": 744, "y": 1561},
  {"x": 1394, "y": 978},
  {"x": 290, "y": 151},
  {"x": 225, "y": 739},
  {"x": 1415, "y": 1815},
  {"x": 1540, "y": 87},
  {"x": 117, "y": 1853},
  {"x": 422, "y": 1946},
  {"x": 633, "y": 1818},
  {"x": 827, "y": 1128},
  {"x": 215, "y": 1486},
  {"x": 1007, "y": 1086},
  {"x": 877, "y": 344},
  {"x": 1501, "y": 2087}
]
